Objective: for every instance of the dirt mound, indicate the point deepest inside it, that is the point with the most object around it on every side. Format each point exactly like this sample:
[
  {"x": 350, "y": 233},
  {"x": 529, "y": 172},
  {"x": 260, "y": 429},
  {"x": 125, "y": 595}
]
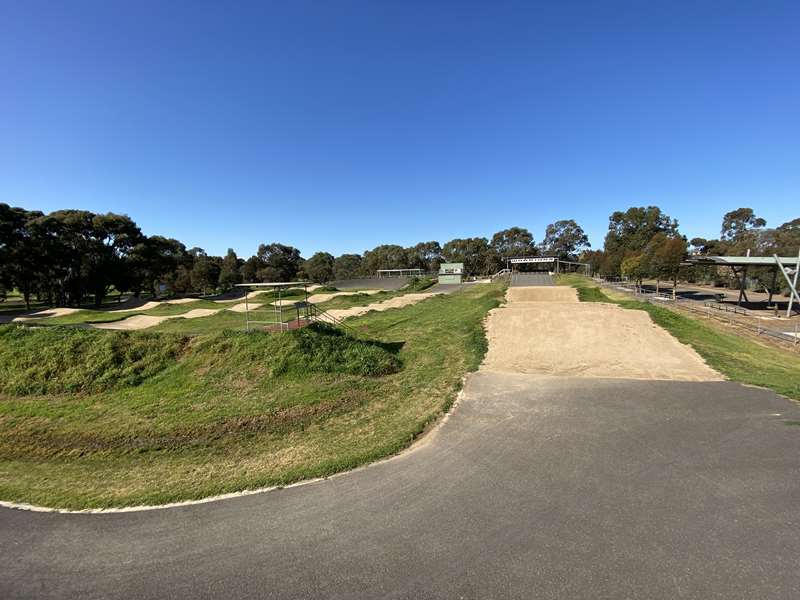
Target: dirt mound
[
  {"x": 132, "y": 323},
  {"x": 244, "y": 306},
  {"x": 47, "y": 313},
  {"x": 396, "y": 302},
  {"x": 542, "y": 293},
  {"x": 320, "y": 298},
  {"x": 146, "y": 321},
  {"x": 139, "y": 305},
  {"x": 568, "y": 338},
  {"x": 196, "y": 313}
]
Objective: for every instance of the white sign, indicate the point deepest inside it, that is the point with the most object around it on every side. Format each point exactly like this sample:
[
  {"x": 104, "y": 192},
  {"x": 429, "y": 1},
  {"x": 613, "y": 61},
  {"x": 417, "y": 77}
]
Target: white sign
[{"x": 537, "y": 259}]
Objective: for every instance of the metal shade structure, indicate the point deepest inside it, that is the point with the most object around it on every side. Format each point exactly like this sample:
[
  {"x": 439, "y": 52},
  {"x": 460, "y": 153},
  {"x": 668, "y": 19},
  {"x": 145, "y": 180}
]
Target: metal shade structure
[
  {"x": 276, "y": 286},
  {"x": 382, "y": 273},
  {"x": 511, "y": 261},
  {"x": 788, "y": 266}
]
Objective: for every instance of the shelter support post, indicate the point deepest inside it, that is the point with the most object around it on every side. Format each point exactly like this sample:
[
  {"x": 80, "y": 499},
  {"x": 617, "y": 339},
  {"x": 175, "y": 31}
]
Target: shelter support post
[
  {"x": 792, "y": 283},
  {"x": 742, "y": 279},
  {"x": 771, "y": 290}
]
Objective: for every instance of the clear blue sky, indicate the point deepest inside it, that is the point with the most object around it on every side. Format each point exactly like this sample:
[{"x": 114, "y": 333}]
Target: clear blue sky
[{"x": 340, "y": 125}]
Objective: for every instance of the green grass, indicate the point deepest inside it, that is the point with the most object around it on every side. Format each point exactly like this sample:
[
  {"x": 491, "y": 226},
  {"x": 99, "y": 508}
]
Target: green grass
[
  {"x": 65, "y": 360},
  {"x": 737, "y": 357},
  {"x": 418, "y": 284},
  {"x": 97, "y": 418}
]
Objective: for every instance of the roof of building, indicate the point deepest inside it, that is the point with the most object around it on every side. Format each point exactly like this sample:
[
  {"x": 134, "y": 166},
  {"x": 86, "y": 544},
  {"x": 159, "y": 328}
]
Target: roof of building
[
  {"x": 743, "y": 261},
  {"x": 274, "y": 284}
]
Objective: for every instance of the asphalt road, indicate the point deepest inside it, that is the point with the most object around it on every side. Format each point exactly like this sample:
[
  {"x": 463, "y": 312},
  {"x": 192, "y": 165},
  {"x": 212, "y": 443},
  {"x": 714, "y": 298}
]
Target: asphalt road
[
  {"x": 533, "y": 278},
  {"x": 371, "y": 283},
  {"x": 534, "y": 488}
]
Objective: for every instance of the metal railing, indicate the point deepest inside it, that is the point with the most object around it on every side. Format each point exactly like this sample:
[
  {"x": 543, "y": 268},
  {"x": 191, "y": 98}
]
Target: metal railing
[
  {"x": 500, "y": 273},
  {"x": 733, "y": 316},
  {"x": 316, "y": 314}
]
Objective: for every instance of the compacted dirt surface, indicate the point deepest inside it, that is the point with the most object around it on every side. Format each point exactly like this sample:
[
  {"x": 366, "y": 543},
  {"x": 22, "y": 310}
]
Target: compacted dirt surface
[
  {"x": 546, "y": 331},
  {"x": 146, "y": 321},
  {"x": 396, "y": 302}
]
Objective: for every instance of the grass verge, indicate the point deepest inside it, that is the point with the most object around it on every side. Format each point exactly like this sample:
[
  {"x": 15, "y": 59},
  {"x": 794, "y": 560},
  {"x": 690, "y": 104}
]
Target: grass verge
[
  {"x": 224, "y": 411},
  {"x": 738, "y": 358}
]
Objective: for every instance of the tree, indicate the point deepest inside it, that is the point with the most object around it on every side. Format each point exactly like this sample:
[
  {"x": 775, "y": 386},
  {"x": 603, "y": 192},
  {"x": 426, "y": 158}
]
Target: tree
[
  {"x": 787, "y": 238},
  {"x": 663, "y": 256},
  {"x": 386, "y": 256},
  {"x": 205, "y": 273},
  {"x": 630, "y": 231},
  {"x": 594, "y": 258},
  {"x": 319, "y": 268},
  {"x": 113, "y": 237},
  {"x": 20, "y": 259},
  {"x": 277, "y": 262},
  {"x": 347, "y": 266},
  {"x": 153, "y": 260},
  {"x": 564, "y": 239},
  {"x": 633, "y": 267},
  {"x": 179, "y": 281},
  {"x": 738, "y": 225},
  {"x": 473, "y": 252},
  {"x": 425, "y": 255},
  {"x": 514, "y": 241},
  {"x": 249, "y": 270},
  {"x": 229, "y": 274}
]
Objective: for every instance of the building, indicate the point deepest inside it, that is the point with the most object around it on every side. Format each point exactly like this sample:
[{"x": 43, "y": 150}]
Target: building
[{"x": 451, "y": 272}]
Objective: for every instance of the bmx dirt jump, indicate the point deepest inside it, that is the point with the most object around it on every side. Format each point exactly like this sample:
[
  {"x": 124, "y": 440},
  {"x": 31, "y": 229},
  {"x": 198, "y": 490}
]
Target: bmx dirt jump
[{"x": 545, "y": 330}]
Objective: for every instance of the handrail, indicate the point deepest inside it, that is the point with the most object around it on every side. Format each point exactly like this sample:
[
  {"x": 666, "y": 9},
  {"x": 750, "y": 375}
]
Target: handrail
[
  {"x": 317, "y": 314},
  {"x": 500, "y": 273}
]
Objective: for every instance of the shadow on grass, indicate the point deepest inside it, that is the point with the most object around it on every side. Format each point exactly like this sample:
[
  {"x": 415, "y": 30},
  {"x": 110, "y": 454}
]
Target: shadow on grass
[{"x": 335, "y": 332}]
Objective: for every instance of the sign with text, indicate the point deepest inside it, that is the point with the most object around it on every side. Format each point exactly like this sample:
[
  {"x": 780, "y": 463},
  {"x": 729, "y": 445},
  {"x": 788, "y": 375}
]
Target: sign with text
[{"x": 532, "y": 259}]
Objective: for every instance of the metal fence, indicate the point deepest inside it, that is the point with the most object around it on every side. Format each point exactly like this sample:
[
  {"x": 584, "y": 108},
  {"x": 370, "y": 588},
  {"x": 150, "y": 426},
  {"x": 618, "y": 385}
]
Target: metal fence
[{"x": 735, "y": 316}]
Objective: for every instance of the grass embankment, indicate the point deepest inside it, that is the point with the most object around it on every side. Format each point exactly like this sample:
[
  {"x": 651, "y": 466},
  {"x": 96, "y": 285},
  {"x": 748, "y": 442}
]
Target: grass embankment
[
  {"x": 97, "y": 418},
  {"x": 738, "y": 358}
]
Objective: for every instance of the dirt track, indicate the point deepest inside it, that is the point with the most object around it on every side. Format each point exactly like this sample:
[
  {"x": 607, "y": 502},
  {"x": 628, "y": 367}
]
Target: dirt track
[
  {"x": 396, "y": 302},
  {"x": 546, "y": 331},
  {"x": 146, "y": 321},
  {"x": 320, "y": 298}
]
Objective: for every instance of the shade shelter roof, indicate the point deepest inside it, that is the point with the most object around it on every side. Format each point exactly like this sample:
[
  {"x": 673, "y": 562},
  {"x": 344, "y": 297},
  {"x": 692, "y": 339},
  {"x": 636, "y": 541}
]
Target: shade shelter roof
[
  {"x": 274, "y": 284},
  {"x": 742, "y": 261}
]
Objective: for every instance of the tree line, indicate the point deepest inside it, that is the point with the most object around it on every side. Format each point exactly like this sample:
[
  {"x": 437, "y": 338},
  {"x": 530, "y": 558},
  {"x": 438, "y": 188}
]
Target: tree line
[
  {"x": 71, "y": 257},
  {"x": 644, "y": 242}
]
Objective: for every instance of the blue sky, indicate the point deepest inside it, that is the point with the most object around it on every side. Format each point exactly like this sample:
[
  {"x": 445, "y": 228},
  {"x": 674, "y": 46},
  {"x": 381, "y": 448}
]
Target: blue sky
[{"x": 341, "y": 125}]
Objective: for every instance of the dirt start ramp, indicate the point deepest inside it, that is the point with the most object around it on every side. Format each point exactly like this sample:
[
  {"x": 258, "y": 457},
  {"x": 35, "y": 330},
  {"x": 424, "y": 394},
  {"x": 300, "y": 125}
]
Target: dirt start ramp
[
  {"x": 564, "y": 337},
  {"x": 542, "y": 293}
]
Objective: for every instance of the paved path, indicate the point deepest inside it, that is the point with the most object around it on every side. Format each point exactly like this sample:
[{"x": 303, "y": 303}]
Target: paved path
[
  {"x": 529, "y": 279},
  {"x": 534, "y": 488}
]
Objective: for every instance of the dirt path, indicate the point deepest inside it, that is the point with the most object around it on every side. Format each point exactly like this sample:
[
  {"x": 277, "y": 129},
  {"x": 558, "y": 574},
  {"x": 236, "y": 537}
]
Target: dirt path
[
  {"x": 320, "y": 298},
  {"x": 244, "y": 306},
  {"x": 396, "y": 302},
  {"x": 47, "y": 313},
  {"x": 546, "y": 331},
  {"x": 146, "y": 321}
]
